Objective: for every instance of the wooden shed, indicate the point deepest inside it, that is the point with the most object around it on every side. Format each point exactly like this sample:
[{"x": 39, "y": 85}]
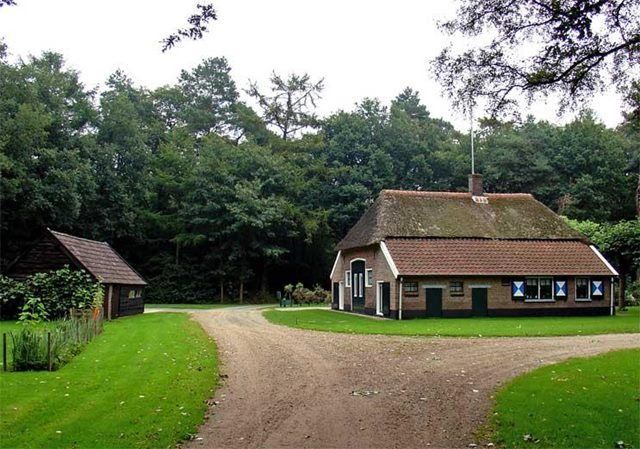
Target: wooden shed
[{"x": 124, "y": 294}]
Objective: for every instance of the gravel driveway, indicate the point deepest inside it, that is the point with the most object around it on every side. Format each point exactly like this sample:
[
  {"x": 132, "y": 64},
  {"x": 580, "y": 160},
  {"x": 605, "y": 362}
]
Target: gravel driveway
[{"x": 289, "y": 388}]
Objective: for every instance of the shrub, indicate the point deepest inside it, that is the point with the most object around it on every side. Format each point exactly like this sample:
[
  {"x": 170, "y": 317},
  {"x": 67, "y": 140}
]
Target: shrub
[
  {"x": 50, "y": 295},
  {"x": 303, "y": 295},
  {"x": 633, "y": 294}
]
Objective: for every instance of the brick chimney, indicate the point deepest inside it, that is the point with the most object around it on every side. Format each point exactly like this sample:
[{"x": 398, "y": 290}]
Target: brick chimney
[{"x": 475, "y": 184}]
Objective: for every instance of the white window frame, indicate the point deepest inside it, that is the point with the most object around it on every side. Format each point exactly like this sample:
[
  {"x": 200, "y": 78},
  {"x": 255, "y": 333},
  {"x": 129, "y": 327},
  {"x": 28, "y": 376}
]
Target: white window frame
[
  {"x": 575, "y": 282},
  {"x": 368, "y": 280},
  {"x": 537, "y": 278},
  {"x": 347, "y": 278}
]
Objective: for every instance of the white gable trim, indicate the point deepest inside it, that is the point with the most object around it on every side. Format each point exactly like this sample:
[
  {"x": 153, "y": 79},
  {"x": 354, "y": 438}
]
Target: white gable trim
[
  {"x": 389, "y": 259},
  {"x": 604, "y": 261},
  {"x": 335, "y": 264}
]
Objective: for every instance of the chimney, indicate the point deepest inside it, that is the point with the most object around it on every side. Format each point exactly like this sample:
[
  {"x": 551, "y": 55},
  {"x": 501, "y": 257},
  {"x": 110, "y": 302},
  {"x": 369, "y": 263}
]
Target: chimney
[{"x": 475, "y": 184}]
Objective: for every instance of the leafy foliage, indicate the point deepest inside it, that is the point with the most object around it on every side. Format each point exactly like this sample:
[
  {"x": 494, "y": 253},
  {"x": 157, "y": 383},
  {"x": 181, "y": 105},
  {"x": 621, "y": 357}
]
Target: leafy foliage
[
  {"x": 571, "y": 48},
  {"x": 50, "y": 295}
]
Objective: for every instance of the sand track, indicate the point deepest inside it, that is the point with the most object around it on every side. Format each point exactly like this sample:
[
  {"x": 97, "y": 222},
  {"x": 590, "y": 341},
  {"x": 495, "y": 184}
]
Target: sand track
[{"x": 289, "y": 388}]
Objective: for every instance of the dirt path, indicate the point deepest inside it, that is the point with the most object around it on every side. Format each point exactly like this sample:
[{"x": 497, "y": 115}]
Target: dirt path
[{"x": 289, "y": 388}]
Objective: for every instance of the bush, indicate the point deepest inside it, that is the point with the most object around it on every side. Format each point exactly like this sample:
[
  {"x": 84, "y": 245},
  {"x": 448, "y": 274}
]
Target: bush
[
  {"x": 47, "y": 296},
  {"x": 302, "y": 295},
  {"x": 68, "y": 337},
  {"x": 633, "y": 294}
]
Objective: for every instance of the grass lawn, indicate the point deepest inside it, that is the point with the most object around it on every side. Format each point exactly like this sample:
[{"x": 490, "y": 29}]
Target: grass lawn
[
  {"x": 581, "y": 403},
  {"x": 141, "y": 384},
  {"x": 327, "y": 320}
]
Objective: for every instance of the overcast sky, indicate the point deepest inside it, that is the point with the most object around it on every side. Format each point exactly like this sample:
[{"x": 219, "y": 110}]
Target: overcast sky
[{"x": 361, "y": 48}]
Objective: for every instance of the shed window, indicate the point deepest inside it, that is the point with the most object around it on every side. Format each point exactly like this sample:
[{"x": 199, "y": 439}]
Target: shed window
[
  {"x": 347, "y": 278},
  {"x": 369, "y": 278},
  {"x": 410, "y": 288},
  {"x": 531, "y": 288},
  {"x": 582, "y": 289},
  {"x": 456, "y": 288}
]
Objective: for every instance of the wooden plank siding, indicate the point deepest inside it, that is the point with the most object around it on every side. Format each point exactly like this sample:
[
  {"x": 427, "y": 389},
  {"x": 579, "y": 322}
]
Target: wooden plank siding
[{"x": 45, "y": 256}]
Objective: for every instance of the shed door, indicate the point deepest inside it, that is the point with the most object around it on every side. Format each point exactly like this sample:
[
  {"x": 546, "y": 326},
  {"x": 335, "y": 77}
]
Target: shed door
[
  {"x": 336, "y": 295},
  {"x": 479, "y": 301},
  {"x": 434, "y": 302},
  {"x": 357, "y": 285}
]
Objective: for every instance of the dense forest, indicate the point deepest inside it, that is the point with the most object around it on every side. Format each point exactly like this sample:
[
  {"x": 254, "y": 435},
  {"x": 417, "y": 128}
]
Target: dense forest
[{"x": 203, "y": 193}]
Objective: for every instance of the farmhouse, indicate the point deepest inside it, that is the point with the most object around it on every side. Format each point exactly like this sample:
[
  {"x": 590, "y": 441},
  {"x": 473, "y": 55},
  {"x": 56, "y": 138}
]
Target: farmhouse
[
  {"x": 124, "y": 286},
  {"x": 417, "y": 253}
]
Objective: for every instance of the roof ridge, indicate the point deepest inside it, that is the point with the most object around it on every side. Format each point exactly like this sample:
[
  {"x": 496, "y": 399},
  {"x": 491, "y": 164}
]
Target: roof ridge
[
  {"x": 76, "y": 237},
  {"x": 445, "y": 193},
  {"x": 505, "y": 239}
]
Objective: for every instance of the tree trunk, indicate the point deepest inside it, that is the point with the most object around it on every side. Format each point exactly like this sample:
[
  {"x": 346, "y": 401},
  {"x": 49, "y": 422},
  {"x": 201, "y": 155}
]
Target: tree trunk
[
  {"x": 241, "y": 290},
  {"x": 221, "y": 290},
  {"x": 177, "y": 253}
]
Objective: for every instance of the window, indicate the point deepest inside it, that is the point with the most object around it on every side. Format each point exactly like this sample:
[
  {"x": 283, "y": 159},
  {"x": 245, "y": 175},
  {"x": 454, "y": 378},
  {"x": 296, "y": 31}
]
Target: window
[
  {"x": 347, "y": 278},
  {"x": 531, "y": 288},
  {"x": 369, "y": 278},
  {"x": 456, "y": 288},
  {"x": 582, "y": 289},
  {"x": 410, "y": 288},
  {"x": 538, "y": 289},
  {"x": 546, "y": 290}
]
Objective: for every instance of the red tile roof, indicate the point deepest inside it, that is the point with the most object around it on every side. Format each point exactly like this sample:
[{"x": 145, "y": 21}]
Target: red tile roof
[
  {"x": 99, "y": 259},
  {"x": 451, "y": 256}
]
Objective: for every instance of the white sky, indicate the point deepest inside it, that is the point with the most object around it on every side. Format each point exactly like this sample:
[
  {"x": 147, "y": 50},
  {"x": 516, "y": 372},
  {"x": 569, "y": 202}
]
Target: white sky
[{"x": 361, "y": 48}]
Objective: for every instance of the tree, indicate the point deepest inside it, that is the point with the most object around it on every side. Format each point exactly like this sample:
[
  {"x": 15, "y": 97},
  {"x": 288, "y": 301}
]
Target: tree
[
  {"x": 570, "y": 48},
  {"x": 290, "y": 105},
  {"x": 620, "y": 242},
  {"x": 198, "y": 25}
]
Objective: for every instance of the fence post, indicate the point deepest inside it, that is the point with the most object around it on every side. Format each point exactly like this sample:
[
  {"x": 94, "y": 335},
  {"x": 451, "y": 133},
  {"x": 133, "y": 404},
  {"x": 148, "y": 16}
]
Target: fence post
[
  {"x": 4, "y": 351},
  {"x": 49, "y": 349}
]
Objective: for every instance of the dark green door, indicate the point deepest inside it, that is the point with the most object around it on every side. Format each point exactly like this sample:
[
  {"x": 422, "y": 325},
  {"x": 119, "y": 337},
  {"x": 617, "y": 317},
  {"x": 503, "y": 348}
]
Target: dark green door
[
  {"x": 386, "y": 298},
  {"x": 479, "y": 301},
  {"x": 357, "y": 285},
  {"x": 336, "y": 295},
  {"x": 434, "y": 301}
]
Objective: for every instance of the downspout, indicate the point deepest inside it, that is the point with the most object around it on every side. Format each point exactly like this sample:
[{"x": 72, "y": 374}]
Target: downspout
[
  {"x": 400, "y": 301},
  {"x": 611, "y": 307},
  {"x": 109, "y": 295}
]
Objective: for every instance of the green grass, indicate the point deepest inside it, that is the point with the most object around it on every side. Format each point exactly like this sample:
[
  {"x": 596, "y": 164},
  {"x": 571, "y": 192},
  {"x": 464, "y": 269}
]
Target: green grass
[
  {"x": 581, "y": 403},
  {"x": 188, "y": 306},
  {"x": 327, "y": 320},
  {"x": 141, "y": 384}
]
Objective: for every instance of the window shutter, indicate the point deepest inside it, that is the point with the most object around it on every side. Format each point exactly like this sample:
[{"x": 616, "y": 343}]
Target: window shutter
[
  {"x": 517, "y": 289},
  {"x": 561, "y": 288},
  {"x": 597, "y": 289}
]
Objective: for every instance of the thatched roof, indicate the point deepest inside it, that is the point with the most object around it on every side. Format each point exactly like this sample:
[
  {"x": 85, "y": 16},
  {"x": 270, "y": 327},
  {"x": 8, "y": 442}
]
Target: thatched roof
[{"x": 410, "y": 214}]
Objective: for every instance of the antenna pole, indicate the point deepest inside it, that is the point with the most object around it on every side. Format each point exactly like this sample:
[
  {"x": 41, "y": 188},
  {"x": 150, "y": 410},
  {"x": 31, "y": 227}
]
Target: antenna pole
[{"x": 473, "y": 161}]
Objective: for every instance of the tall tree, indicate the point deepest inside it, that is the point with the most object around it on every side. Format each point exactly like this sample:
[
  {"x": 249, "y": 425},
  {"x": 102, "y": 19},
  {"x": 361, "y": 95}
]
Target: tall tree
[
  {"x": 290, "y": 104},
  {"x": 570, "y": 48}
]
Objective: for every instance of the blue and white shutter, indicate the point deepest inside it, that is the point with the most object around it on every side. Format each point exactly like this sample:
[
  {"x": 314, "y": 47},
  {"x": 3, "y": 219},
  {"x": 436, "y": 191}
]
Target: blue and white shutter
[
  {"x": 597, "y": 289},
  {"x": 560, "y": 288},
  {"x": 517, "y": 289}
]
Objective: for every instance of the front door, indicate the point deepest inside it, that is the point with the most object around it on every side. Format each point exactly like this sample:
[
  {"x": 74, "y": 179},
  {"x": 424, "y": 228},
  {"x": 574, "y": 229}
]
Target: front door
[
  {"x": 479, "y": 301},
  {"x": 434, "y": 302},
  {"x": 336, "y": 295},
  {"x": 385, "y": 294},
  {"x": 357, "y": 285}
]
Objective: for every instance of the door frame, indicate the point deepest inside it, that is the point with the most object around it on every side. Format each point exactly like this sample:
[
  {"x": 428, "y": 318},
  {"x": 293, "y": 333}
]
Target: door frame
[
  {"x": 379, "y": 298},
  {"x": 360, "y": 289},
  {"x": 341, "y": 295}
]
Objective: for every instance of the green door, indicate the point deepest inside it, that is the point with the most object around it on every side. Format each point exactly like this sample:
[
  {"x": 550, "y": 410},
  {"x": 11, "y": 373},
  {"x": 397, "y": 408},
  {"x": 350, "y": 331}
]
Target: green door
[
  {"x": 386, "y": 298},
  {"x": 434, "y": 302},
  {"x": 479, "y": 301}
]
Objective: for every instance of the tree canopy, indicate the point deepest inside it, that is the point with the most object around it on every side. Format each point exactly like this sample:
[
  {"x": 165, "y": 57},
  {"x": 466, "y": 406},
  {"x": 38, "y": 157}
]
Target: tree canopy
[{"x": 208, "y": 197}]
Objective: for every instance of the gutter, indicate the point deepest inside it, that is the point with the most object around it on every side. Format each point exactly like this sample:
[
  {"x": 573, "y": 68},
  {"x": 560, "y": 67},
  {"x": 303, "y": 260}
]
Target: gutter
[{"x": 612, "y": 310}]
